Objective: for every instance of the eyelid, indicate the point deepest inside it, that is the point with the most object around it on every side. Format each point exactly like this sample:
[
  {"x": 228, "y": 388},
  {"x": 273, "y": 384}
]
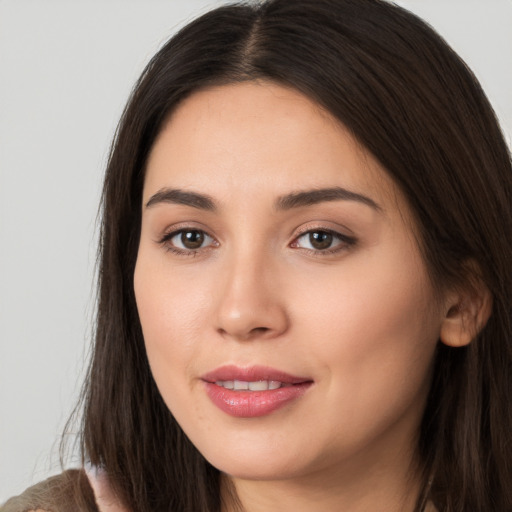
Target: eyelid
[
  {"x": 182, "y": 226},
  {"x": 319, "y": 225}
]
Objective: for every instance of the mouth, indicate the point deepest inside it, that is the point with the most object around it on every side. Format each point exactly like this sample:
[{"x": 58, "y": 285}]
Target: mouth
[
  {"x": 253, "y": 392},
  {"x": 258, "y": 385}
]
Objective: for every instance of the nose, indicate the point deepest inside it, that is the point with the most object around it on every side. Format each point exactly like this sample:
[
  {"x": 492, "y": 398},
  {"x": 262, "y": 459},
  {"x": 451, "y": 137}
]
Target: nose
[{"x": 251, "y": 304}]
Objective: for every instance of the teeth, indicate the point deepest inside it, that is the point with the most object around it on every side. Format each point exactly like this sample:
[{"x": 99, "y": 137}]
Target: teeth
[
  {"x": 261, "y": 385},
  {"x": 240, "y": 385}
]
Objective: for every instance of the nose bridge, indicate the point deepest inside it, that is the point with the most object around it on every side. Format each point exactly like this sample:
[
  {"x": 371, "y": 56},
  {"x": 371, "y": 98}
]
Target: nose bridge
[{"x": 250, "y": 304}]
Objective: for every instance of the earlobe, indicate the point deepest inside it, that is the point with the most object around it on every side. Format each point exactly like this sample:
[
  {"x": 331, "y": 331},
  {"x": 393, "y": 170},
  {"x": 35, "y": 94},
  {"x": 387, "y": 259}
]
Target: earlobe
[{"x": 466, "y": 314}]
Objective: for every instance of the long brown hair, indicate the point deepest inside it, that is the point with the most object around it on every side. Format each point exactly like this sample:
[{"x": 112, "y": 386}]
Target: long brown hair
[{"x": 414, "y": 104}]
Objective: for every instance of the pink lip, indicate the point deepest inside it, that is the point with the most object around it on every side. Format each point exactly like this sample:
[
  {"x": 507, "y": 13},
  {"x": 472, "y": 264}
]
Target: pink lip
[
  {"x": 252, "y": 404},
  {"x": 252, "y": 374}
]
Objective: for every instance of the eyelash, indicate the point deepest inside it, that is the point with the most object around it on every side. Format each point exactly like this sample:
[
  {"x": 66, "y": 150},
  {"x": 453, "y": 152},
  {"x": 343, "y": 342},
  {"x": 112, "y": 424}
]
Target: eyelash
[{"x": 345, "y": 242}]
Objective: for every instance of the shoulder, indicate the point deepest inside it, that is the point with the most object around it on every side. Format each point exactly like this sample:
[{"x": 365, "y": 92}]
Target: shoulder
[{"x": 68, "y": 491}]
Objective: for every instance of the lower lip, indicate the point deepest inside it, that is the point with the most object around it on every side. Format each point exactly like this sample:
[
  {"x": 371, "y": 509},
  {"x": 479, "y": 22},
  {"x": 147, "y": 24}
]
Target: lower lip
[{"x": 252, "y": 404}]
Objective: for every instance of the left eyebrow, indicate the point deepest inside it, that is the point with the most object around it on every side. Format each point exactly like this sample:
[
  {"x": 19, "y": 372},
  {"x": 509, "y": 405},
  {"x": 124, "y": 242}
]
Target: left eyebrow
[{"x": 311, "y": 197}]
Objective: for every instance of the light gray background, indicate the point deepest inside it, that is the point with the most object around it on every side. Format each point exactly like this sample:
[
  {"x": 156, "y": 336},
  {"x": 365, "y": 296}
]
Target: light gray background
[{"x": 66, "y": 69}]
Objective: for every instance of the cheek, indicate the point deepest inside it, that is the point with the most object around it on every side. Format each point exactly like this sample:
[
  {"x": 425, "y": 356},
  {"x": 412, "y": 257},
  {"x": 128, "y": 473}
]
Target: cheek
[
  {"x": 385, "y": 293},
  {"x": 375, "y": 330},
  {"x": 172, "y": 312}
]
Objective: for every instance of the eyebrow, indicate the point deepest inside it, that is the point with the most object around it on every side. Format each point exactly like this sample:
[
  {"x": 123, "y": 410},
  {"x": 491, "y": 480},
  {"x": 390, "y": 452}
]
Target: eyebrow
[
  {"x": 311, "y": 197},
  {"x": 287, "y": 202},
  {"x": 177, "y": 196}
]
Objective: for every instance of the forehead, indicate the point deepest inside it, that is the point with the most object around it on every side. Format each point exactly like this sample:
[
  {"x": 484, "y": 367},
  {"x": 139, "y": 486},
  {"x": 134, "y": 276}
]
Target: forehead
[{"x": 259, "y": 136}]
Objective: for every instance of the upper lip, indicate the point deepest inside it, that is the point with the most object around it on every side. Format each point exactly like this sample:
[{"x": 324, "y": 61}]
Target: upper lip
[{"x": 252, "y": 374}]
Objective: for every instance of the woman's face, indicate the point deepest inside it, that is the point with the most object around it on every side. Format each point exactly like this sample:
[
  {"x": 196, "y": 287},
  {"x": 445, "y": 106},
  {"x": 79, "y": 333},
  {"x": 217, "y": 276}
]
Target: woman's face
[{"x": 275, "y": 250}]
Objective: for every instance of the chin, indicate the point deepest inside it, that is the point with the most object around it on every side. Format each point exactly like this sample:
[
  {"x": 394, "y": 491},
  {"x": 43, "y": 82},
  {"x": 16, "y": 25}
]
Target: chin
[
  {"x": 268, "y": 460},
  {"x": 257, "y": 470}
]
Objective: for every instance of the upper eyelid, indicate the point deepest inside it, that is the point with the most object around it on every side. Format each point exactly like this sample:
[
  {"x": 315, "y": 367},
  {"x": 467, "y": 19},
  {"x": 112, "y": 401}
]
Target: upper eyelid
[
  {"x": 172, "y": 234},
  {"x": 347, "y": 239},
  {"x": 313, "y": 230},
  {"x": 186, "y": 226},
  {"x": 323, "y": 226},
  {"x": 325, "y": 230}
]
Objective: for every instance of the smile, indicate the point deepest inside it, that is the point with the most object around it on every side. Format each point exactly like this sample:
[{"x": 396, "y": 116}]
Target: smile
[
  {"x": 259, "y": 385},
  {"x": 253, "y": 392}
]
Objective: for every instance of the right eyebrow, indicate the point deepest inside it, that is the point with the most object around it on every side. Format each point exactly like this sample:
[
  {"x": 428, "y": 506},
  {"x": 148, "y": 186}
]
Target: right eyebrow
[{"x": 178, "y": 196}]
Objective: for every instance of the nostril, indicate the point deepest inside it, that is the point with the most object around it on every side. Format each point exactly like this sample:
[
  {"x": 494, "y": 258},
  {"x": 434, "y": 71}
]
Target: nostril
[
  {"x": 250, "y": 334},
  {"x": 260, "y": 330}
]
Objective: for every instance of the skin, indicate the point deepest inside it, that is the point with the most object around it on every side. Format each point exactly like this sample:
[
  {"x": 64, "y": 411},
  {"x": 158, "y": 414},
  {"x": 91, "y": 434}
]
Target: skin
[{"x": 360, "y": 319}]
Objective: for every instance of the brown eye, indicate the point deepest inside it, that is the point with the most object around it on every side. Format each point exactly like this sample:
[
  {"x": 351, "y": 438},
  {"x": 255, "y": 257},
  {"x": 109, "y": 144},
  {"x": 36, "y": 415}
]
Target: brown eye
[
  {"x": 188, "y": 240},
  {"x": 323, "y": 241},
  {"x": 320, "y": 239},
  {"x": 192, "y": 239}
]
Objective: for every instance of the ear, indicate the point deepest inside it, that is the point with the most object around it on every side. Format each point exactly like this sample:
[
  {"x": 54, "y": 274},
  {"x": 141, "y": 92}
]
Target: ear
[{"x": 466, "y": 311}]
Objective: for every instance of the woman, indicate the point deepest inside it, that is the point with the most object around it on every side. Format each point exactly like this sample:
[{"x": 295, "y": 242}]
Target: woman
[{"x": 304, "y": 285}]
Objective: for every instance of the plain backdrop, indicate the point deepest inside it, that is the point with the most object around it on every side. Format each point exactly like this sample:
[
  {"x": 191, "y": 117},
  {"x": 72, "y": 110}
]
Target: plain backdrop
[{"x": 66, "y": 69}]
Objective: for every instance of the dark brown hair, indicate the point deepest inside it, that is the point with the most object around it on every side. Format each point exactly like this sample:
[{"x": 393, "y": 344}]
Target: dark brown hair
[{"x": 414, "y": 104}]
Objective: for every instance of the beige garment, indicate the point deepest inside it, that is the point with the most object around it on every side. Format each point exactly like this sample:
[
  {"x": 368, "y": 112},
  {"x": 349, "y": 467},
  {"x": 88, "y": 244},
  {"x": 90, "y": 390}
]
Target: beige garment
[
  {"x": 69, "y": 491},
  {"x": 72, "y": 491}
]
